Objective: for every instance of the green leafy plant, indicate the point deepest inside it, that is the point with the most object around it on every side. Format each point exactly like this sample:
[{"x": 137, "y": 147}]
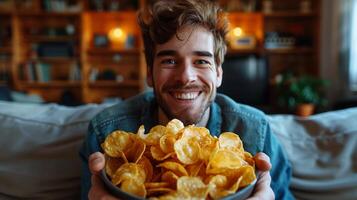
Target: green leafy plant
[{"x": 305, "y": 89}]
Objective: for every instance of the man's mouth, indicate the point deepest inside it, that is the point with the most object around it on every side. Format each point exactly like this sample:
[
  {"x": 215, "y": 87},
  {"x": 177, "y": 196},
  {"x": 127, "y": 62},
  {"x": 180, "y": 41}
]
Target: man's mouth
[{"x": 185, "y": 95}]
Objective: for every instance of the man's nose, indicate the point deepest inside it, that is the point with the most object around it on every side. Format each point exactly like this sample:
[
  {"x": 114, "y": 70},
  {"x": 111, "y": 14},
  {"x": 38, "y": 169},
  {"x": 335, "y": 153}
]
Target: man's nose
[{"x": 187, "y": 73}]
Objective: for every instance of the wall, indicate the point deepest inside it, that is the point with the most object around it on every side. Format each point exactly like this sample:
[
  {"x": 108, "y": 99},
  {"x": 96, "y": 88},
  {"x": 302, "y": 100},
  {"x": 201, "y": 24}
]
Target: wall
[{"x": 331, "y": 43}]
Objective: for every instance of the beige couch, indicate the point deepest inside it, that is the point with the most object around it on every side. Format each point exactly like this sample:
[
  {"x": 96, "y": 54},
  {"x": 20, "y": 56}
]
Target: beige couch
[{"x": 39, "y": 151}]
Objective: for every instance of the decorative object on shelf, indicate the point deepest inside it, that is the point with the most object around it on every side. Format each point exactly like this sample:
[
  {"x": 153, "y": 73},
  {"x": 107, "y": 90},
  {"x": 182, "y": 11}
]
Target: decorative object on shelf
[
  {"x": 117, "y": 57},
  {"x": 267, "y": 6},
  {"x": 70, "y": 29},
  {"x": 107, "y": 74},
  {"x": 100, "y": 40},
  {"x": 239, "y": 40},
  {"x": 61, "y": 6},
  {"x": 98, "y": 5},
  {"x": 114, "y": 5},
  {"x": 241, "y": 5},
  {"x": 116, "y": 35},
  {"x": 305, "y": 6},
  {"x": 300, "y": 93},
  {"x": 129, "y": 41},
  {"x": 93, "y": 75},
  {"x": 279, "y": 40},
  {"x": 55, "y": 49}
]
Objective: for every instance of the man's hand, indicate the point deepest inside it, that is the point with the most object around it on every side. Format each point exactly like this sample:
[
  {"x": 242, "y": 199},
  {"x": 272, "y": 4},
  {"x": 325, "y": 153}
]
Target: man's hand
[
  {"x": 262, "y": 189},
  {"x": 97, "y": 191}
]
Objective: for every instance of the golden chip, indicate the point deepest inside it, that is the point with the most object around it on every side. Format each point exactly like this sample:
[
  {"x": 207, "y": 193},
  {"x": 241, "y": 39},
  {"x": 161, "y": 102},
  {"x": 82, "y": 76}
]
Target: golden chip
[
  {"x": 187, "y": 150},
  {"x": 175, "y": 167},
  {"x": 174, "y": 126},
  {"x": 116, "y": 143},
  {"x": 192, "y": 186}
]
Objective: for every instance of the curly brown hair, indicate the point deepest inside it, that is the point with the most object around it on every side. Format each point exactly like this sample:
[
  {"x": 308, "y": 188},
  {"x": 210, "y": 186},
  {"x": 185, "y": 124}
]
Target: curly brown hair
[{"x": 161, "y": 19}]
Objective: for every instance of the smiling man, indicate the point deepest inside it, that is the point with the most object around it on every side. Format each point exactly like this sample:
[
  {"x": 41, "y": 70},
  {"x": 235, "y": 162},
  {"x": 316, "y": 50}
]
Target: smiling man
[
  {"x": 184, "y": 49},
  {"x": 185, "y": 76}
]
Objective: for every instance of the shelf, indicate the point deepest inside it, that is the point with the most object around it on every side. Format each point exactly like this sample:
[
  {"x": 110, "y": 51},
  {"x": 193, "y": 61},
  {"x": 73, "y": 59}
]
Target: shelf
[
  {"x": 48, "y": 14},
  {"x": 6, "y": 50},
  {"x": 292, "y": 14},
  {"x": 114, "y": 84},
  {"x": 296, "y": 50},
  {"x": 51, "y": 84},
  {"x": 232, "y": 52},
  {"x": 45, "y": 38},
  {"x": 56, "y": 59},
  {"x": 106, "y": 51}
]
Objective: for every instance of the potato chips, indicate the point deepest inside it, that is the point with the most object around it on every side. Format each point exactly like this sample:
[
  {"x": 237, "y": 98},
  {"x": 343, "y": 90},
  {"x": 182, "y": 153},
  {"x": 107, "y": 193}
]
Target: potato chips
[{"x": 177, "y": 162}]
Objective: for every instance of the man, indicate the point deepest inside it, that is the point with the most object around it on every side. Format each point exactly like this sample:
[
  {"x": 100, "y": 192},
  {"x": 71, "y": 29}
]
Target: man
[{"x": 184, "y": 49}]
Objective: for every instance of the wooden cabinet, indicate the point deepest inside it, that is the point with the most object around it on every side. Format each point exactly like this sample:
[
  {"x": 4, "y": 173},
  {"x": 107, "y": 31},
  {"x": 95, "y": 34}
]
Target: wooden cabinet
[
  {"x": 48, "y": 54},
  {"x": 93, "y": 49},
  {"x": 113, "y": 60},
  {"x": 285, "y": 34},
  {"x": 56, "y": 48}
]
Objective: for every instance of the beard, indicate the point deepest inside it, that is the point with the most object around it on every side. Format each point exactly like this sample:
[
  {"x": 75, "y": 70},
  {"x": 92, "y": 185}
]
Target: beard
[{"x": 184, "y": 114}]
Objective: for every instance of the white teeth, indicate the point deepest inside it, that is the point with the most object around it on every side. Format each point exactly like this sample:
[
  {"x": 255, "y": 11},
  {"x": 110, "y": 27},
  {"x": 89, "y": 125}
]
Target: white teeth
[{"x": 186, "y": 96}]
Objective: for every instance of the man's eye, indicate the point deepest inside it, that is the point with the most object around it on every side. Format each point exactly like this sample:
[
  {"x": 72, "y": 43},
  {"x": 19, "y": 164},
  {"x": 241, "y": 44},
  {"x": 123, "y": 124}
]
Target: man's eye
[
  {"x": 202, "y": 63},
  {"x": 168, "y": 61}
]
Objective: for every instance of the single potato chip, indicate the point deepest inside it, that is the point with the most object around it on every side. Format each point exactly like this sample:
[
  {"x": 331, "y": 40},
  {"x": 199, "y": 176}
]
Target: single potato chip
[
  {"x": 187, "y": 150},
  {"x": 174, "y": 126},
  {"x": 193, "y": 186},
  {"x": 116, "y": 143},
  {"x": 175, "y": 167}
]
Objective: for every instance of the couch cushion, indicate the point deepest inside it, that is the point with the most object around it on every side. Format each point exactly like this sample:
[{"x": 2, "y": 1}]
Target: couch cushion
[
  {"x": 39, "y": 147},
  {"x": 323, "y": 153}
]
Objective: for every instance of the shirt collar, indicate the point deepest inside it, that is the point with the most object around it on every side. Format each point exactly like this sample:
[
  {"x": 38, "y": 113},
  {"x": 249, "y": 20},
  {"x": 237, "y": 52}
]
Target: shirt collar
[
  {"x": 215, "y": 120},
  {"x": 149, "y": 116}
]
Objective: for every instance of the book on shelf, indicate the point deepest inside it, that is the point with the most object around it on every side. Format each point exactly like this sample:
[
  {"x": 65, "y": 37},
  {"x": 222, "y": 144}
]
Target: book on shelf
[
  {"x": 75, "y": 72},
  {"x": 36, "y": 71}
]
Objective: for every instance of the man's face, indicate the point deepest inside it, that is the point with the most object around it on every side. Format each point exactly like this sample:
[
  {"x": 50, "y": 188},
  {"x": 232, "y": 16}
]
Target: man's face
[{"x": 185, "y": 76}]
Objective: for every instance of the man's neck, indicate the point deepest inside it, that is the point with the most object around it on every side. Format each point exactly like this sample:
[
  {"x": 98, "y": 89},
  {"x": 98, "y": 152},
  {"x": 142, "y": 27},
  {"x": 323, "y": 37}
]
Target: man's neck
[{"x": 163, "y": 119}]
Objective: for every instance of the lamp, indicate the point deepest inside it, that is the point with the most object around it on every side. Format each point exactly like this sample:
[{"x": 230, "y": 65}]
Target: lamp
[
  {"x": 240, "y": 40},
  {"x": 116, "y": 35}
]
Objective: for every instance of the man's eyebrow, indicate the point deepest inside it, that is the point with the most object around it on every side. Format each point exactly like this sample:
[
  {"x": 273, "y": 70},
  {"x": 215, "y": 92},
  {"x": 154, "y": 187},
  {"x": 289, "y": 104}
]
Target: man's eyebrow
[
  {"x": 166, "y": 53},
  {"x": 203, "y": 53}
]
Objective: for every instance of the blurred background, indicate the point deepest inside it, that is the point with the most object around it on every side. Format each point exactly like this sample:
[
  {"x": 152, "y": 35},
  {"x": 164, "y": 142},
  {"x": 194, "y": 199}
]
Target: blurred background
[{"x": 284, "y": 56}]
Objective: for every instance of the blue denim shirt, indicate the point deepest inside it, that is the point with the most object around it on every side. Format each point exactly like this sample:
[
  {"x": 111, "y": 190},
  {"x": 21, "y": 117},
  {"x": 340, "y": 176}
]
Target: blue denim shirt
[{"x": 225, "y": 115}]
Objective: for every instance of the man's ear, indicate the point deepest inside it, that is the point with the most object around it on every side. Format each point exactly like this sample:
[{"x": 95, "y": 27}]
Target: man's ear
[
  {"x": 149, "y": 76},
  {"x": 219, "y": 75}
]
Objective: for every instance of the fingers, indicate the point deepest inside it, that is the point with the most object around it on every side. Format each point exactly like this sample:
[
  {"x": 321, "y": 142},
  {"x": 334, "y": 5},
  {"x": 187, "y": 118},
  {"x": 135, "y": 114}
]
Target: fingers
[
  {"x": 97, "y": 191},
  {"x": 96, "y": 162},
  {"x": 262, "y": 189},
  {"x": 262, "y": 161}
]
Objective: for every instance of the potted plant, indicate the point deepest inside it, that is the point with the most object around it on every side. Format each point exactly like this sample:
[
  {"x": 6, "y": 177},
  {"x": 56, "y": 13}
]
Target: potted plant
[{"x": 301, "y": 94}]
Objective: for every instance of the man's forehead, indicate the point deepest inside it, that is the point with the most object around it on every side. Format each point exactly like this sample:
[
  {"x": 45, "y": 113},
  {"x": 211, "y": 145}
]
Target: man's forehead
[{"x": 193, "y": 40}]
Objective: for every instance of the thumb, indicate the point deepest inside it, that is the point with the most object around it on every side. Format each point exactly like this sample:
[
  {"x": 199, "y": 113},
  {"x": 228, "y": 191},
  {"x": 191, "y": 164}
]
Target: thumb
[{"x": 96, "y": 162}]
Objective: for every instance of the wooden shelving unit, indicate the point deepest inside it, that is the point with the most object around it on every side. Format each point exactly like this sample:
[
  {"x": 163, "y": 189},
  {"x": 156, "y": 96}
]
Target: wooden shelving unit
[{"x": 99, "y": 66}]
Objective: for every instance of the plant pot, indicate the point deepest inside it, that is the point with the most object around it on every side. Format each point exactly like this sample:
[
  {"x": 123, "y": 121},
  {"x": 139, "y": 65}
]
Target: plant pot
[{"x": 305, "y": 110}]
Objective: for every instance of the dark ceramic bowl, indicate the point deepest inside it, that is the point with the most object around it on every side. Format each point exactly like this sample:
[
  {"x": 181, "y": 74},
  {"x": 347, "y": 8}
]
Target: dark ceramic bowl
[{"x": 240, "y": 195}]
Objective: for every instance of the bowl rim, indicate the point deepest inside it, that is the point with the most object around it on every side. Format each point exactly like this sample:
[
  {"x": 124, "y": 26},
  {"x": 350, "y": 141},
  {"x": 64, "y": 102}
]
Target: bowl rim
[{"x": 116, "y": 191}]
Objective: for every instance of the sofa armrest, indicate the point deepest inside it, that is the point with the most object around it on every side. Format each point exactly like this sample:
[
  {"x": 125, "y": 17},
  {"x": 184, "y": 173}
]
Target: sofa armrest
[
  {"x": 39, "y": 147},
  {"x": 323, "y": 152}
]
